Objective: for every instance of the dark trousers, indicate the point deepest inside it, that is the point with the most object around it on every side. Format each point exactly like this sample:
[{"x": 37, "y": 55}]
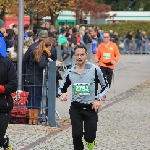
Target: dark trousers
[
  {"x": 108, "y": 73},
  {"x": 80, "y": 113},
  {"x": 4, "y": 118},
  {"x": 138, "y": 42}
]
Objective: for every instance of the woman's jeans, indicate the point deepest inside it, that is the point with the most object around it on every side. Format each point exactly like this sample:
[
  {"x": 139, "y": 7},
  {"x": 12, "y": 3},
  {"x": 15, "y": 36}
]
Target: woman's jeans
[{"x": 35, "y": 95}]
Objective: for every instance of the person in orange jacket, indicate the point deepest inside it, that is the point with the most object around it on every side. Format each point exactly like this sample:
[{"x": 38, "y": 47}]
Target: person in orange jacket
[{"x": 106, "y": 57}]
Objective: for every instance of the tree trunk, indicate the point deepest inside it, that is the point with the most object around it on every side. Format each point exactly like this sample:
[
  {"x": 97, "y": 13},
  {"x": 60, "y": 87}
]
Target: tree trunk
[
  {"x": 32, "y": 15},
  {"x": 77, "y": 16},
  {"x": 2, "y": 15},
  {"x": 31, "y": 20},
  {"x": 53, "y": 19},
  {"x": 77, "y": 21},
  {"x": 81, "y": 21}
]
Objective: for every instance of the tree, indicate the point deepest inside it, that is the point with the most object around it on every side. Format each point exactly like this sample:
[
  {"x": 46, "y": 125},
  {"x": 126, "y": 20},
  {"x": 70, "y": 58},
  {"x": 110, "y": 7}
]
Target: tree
[
  {"x": 8, "y": 6},
  {"x": 146, "y": 5},
  {"x": 83, "y": 8},
  {"x": 36, "y": 7},
  {"x": 56, "y": 6},
  {"x": 142, "y": 5},
  {"x": 32, "y": 8},
  {"x": 120, "y": 5}
]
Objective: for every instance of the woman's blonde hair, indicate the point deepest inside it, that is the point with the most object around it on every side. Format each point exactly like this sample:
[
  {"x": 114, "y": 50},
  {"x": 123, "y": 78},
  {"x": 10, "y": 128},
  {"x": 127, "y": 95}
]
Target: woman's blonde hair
[
  {"x": 143, "y": 32},
  {"x": 44, "y": 44}
]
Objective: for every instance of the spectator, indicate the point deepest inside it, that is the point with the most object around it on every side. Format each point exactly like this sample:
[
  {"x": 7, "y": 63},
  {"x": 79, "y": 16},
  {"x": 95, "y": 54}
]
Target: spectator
[
  {"x": 115, "y": 38},
  {"x": 138, "y": 39},
  {"x": 73, "y": 37},
  {"x": 121, "y": 43},
  {"x": 78, "y": 38},
  {"x": 62, "y": 40},
  {"x": 111, "y": 32},
  {"x": 77, "y": 28},
  {"x": 64, "y": 28},
  {"x": 129, "y": 35},
  {"x": 2, "y": 41},
  {"x": 42, "y": 26},
  {"x": 35, "y": 31},
  {"x": 65, "y": 52},
  {"x": 51, "y": 32},
  {"x": 47, "y": 26},
  {"x": 28, "y": 40},
  {"x": 144, "y": 37},
  {"x": 38, "y": 61},
  {"x": 100, "y": 36},
  {"x": 82, "y": 31},
  {"x": 13, "y": 51},
  {"x": 128, "y": 39},
  {"x": 26, "y": 28},
  {"x": 15, "y": 28},
  {"x": 53, "y": 50},
  {"x": 9, "y": 39},
  {"x": 68, "y": 36},
  {"x": 26, "y": 31},
  {"x": 26, "y": 58},
  {"x": 87, "y": 38},
  {"x": 8, "y": 85}
]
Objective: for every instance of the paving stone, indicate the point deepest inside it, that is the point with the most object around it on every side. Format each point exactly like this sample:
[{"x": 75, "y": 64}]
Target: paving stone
[{"x": 123, "y": 125}]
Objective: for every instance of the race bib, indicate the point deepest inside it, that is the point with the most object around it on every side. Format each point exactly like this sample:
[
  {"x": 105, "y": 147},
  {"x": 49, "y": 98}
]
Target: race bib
[
  {"x": 106, "y": 55},
  {"x": 82, "y": 88}
]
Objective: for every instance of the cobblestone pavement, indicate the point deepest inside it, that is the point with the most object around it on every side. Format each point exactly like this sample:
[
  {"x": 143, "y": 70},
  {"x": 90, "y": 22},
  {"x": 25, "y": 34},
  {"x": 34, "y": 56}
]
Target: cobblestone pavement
[{"x": 124, "y": 124}]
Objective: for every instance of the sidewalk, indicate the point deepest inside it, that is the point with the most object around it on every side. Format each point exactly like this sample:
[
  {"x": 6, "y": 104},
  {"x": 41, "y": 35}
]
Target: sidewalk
[
  {"x": 123, "y": 119},
  {"x": 123, "y": 125}
]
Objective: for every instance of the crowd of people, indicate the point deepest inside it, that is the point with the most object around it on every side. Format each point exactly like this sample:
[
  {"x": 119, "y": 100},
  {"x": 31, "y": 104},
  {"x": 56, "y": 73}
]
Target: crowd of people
[
  {"x": 71, "y": 36},
  {"x": 40, "y": 48}
]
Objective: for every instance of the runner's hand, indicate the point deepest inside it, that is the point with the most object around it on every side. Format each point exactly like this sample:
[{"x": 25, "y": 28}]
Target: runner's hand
[
  {"x": 96, "y": 105},
  {"x": 58, "y": 63},
  {"x": 96, "y": 62},
  {"x": 72, "y": 45},
  {"x": 63, "y": 97},
  {"x": 113, "y": 62}
]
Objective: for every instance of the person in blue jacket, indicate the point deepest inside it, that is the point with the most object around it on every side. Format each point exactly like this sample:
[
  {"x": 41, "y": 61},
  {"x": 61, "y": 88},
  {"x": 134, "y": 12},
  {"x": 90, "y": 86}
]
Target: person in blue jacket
[{"x": 2, "y": 41}]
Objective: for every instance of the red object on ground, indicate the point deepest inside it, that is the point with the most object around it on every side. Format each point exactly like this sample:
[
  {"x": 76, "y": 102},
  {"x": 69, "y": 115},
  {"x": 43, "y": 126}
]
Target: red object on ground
[{"x": 19, "y": 113}]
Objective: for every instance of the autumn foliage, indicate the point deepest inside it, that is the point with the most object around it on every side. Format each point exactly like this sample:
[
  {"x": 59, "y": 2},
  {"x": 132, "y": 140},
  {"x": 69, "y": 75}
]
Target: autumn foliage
[
  {"x": 53, "y": 7},
  {"x": 81, "y": 7},
  {"x": 8, "y": 6}
]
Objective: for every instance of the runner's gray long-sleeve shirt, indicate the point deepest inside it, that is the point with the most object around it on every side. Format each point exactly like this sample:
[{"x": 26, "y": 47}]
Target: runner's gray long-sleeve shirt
[{"x": 85, "y": 85}]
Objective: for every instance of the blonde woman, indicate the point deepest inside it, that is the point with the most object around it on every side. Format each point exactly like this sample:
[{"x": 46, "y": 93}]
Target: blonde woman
[
  {"x": 144, "y": 40},
  {"x": 13, "y": 51}
]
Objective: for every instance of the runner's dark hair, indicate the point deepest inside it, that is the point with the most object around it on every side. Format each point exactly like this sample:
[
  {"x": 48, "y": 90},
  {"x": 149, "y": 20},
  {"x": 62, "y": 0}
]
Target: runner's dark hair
[{"x": 81, "y": 46}]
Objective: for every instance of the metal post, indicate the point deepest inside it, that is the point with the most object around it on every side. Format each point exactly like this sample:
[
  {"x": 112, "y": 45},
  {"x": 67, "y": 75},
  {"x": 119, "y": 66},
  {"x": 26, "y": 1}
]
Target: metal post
[
  {"x": 52, "y": 94},
  {"x": 20, "y": 42},
  {"x": 89, "y": 48}
]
